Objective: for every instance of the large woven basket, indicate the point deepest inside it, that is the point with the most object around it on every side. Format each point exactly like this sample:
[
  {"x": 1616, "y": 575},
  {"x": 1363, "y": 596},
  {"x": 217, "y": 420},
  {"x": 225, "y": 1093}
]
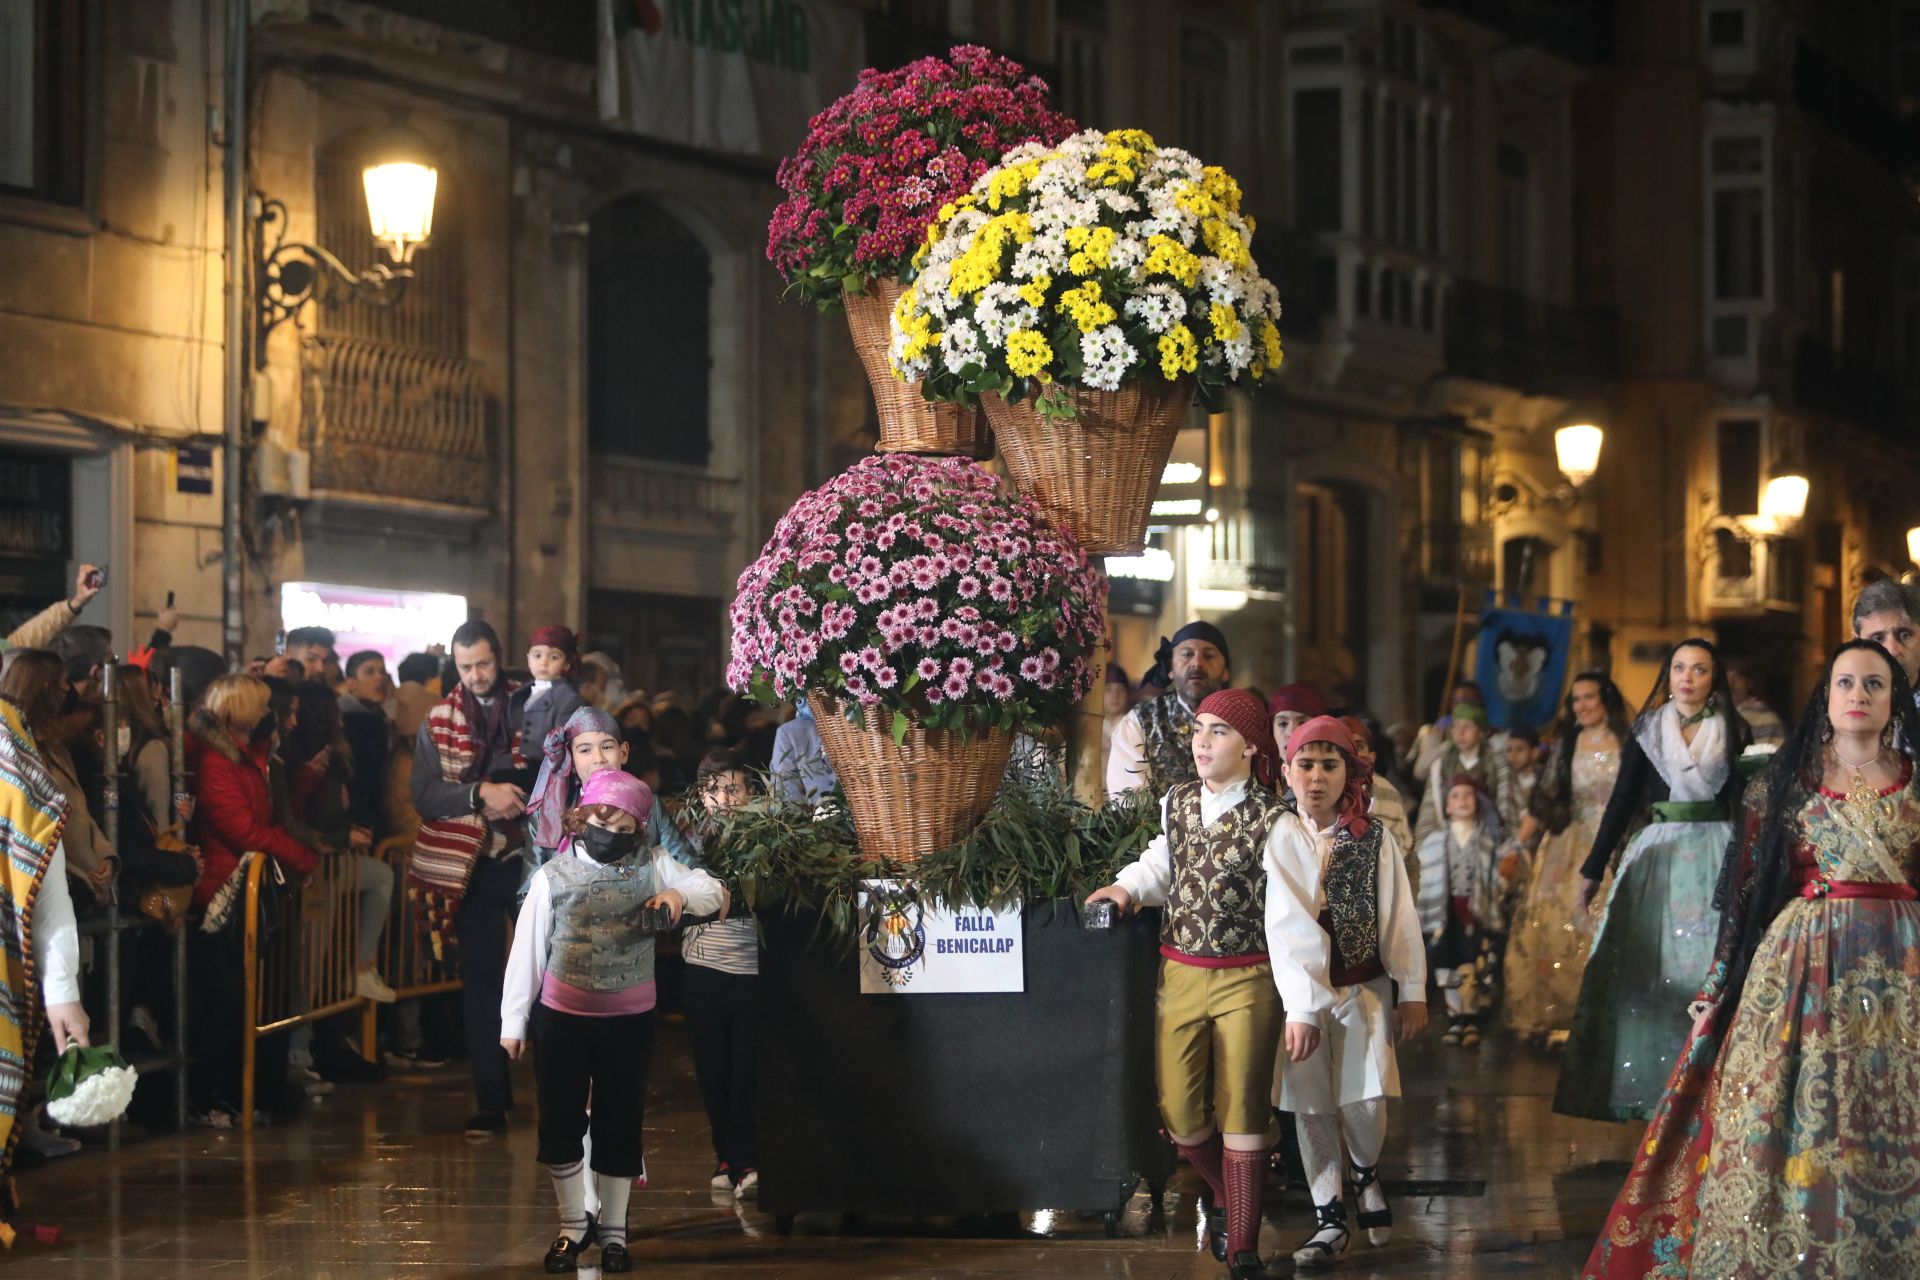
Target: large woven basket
[
  {"x": 1095, "y": 475},
  {"x": 908, "y": 422},
  {"x": 916, "y": 797}
]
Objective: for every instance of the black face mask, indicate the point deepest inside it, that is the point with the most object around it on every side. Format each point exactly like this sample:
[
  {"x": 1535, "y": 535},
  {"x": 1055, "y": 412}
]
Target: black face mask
[{"x": 604, "y": 845}]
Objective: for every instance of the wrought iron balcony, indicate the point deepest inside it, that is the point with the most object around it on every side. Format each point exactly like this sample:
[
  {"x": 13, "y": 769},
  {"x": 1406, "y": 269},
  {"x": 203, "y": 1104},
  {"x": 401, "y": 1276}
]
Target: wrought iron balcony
[
  {"x": 1499, "y": 336},
  {"x": 657, "y": 497},
  {"x": 1826, "y": 382},
  {"x": 396, "y": 423}
]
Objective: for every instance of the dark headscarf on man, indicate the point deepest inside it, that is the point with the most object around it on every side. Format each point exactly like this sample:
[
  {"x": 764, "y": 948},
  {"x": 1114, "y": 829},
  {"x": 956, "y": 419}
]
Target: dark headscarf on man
[{"x": 1162, "y": 672}]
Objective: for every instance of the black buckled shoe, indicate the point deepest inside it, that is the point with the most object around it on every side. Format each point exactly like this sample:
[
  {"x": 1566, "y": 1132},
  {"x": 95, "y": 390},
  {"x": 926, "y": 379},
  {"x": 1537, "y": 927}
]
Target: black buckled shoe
[
  {"x": 1246, "y": 1265},
  {"x": 563, "y": 1255},
  {"x": 614, "y": 1256},
  {"x": 1215, "y": 1216},
  {"x": 1328, "y": 1244},
  {"x": 1377, "y": 1223}
]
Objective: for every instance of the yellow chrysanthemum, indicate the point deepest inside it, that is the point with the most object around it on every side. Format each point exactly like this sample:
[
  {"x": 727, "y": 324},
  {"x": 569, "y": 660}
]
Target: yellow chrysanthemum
[
  {"x": 1168, "y": 257},
  {"x": 1094, "y": 251},
  {"x": 1196, "y": 201},
  {"x": 1084, "y": 304},
  {"x": 1219, "y": 184},
  {"x": 1028, "y": 355},
  {"x": 1005, "y": 185},
  {"x": 1226, "y": 325},
  {"x": 1224, "y": 242},
  {"x": 1138, "y": 139},
  {"x": 1179, "y": 353},
  {"x": 1034, "y": 291},
  {"x": 1269, "y": 336}
]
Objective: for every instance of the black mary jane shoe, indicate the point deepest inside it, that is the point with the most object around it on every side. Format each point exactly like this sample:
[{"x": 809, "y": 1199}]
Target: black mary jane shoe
[
  {"x": 1246, "y": 1265},
  {"x": 614, "y": 1256},
  {"x": 563, "y": 1255}
]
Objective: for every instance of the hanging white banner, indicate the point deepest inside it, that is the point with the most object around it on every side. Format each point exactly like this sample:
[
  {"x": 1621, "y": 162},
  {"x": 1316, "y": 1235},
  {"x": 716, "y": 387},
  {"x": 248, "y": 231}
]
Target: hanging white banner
[
  {"x": 742, "y": 76},
  {"x": 915, "y": 946}
]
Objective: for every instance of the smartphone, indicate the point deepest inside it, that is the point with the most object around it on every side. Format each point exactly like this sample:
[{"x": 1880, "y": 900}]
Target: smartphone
[
  {"x": 169, "y": 599},
  {"x": 98, "y": 578}
]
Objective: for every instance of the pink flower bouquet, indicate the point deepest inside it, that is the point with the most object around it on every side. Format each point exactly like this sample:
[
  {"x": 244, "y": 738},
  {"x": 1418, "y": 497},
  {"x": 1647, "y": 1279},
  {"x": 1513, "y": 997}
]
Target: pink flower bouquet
[
  {"x": 878, "y": 164},
  {"x": 921, "y": 587}
]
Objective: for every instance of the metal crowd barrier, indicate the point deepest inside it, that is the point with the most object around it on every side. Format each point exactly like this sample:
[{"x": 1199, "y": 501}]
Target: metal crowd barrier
[
  {"x": 110, "y": 924},
  {"x": 299, "y": 957},
  {"x": 406, "y": 959}
]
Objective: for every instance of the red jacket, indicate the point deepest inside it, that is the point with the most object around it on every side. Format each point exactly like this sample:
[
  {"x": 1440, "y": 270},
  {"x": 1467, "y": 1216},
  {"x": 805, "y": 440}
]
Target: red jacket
[{"x": 233, "y": 814}]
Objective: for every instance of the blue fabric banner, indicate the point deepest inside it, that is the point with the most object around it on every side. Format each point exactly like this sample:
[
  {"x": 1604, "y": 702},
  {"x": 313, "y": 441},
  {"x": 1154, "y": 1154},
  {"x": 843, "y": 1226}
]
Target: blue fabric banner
[{"x": 1521, "y": 663}]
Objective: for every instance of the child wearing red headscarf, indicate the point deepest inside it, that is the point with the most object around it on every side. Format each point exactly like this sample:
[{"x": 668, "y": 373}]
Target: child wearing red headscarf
[
  {"x": 1368, "y": 919},
  {"x": 553, "y": 659},
  {"x": 1236, "y": 872}
]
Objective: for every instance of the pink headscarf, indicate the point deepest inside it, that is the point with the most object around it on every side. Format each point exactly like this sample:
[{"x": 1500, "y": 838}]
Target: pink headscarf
[
  {"x": 548, "y": 803},
  {"x": 1352, "y": 805},
  {"x": 622, "y": 790}
]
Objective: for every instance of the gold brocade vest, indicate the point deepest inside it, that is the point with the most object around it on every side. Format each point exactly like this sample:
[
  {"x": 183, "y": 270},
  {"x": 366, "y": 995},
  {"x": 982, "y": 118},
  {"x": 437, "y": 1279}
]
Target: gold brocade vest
[
  {"x": 1352, "y": 914},
  {"x": 1217, "y": 908},
  {"x": 1166, "y": 730}
]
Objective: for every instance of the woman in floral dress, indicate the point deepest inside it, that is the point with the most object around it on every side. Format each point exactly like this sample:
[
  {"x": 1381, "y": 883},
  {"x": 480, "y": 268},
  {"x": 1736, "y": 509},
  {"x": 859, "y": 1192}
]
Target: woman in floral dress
[
  {"x": 1547, "y": 953},
  {"x": 1788, "y": 1140}
]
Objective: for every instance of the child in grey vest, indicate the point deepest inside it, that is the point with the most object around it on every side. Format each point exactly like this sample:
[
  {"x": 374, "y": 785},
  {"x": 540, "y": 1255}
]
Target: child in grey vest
[{"x": 580, "y": 984}]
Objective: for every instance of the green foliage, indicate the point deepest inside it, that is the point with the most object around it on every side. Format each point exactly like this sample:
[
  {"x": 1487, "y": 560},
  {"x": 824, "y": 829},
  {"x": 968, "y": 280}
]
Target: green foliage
[{"x": 1036, "y": 843}]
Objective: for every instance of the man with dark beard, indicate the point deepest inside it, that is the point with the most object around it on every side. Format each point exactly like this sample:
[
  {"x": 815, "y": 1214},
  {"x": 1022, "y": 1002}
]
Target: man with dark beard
[
  {"x": 466, "y": 867},
  {"x": 1153, "y": 743}
]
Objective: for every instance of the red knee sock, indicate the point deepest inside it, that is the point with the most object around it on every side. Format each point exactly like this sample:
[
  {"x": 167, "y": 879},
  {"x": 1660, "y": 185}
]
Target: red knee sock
[
  {"x": 1205, "y": 1159},
  {"x": 1245, "y": 1175}
]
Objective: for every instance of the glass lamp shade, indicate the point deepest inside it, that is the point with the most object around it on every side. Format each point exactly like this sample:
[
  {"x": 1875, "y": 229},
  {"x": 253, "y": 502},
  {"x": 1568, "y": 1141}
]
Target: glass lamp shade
[
  {"x": 400, "y": 204},
  {"x": 1577, "y": 449},
  {"x": 1785, "y": 500},
  {"x": 1913, "y": 544}
]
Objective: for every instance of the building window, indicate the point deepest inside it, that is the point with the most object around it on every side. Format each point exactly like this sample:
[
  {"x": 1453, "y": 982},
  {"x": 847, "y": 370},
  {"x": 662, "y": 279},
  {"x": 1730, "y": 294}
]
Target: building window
[
  {"x": 1728, "y": 31},
  {"x": 1082, "y": 39},
  {"x": 1363, "y": 291},
  {"x": 649, "y": 296},
  {"x": 1837, "y": 311},
  {"x": 1739, "y": 271},
  {"x": 1317, "y": 180},
  {"x": 1726, "y": 28},
  {"x": 42, "y": 84},
  {"x": 1738, "y": 443},
  {"x": 1204, "y": 94},
  {"x": 1906, "y": 54},
  {"x": 1390, "y": 193},
  {"x": 1516, "y": 250},
  {"x": 1432, "y": 205},
  {"x": 1369, "y": 218}
]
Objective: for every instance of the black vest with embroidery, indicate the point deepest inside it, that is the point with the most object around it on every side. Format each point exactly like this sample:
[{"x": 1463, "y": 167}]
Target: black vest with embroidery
[
  {"x": 1217, "y": 907},
  {"x": 1166, "y": 753},
  {"x": 1351, "y": 917}
]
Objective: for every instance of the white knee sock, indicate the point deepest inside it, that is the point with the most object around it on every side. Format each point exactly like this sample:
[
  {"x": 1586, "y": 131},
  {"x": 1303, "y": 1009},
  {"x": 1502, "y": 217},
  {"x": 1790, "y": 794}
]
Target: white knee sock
[
  {"x": 614, "y": 1190},
  {"x": 1320, "y": 1153},
  {"x": 1364, "y": 1126},
  {"x": 569, "y": 1188},
  {"x": 586, "y": 1158},
  {"x": 1456, "y": 1003}
]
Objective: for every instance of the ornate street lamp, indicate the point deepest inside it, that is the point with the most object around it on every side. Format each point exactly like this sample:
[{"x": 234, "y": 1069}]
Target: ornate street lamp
[
  {"x": 1913, "y": 544},
  {"x": 401, "y": 182},
  {"x": 1784, "y": 501},
  {"x": 1577, "y": 449}
]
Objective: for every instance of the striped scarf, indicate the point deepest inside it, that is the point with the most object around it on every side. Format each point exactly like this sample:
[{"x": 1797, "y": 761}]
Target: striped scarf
[
  {"x": 33, "y": 812},
  {"x": 445, "y": 849}
]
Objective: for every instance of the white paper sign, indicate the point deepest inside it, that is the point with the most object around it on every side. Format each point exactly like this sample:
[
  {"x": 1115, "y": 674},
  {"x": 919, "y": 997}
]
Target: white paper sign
[{"x": 915, "y": 946}]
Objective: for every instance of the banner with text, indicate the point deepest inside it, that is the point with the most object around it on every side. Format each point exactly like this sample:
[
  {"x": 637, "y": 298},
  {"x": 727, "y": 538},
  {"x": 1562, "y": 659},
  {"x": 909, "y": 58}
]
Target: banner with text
[
  {"x": 911, "y": 945},
  {"x": 742, "y": 76}
]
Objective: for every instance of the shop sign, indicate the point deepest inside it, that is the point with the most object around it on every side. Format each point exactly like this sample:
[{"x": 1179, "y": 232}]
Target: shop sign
[
  {"x": 36, "y": 507},
  {"x": 395, "y": 623},
  {"x": 1184, "y": 493},
  {"x": 742, "y": 76},
  {"x": 911, "y": 945}
]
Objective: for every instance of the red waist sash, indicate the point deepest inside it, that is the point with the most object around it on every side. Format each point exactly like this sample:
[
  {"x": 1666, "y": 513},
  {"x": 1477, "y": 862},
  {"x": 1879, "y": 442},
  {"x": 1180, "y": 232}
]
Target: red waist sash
[{"x": 1814, "y": 885}]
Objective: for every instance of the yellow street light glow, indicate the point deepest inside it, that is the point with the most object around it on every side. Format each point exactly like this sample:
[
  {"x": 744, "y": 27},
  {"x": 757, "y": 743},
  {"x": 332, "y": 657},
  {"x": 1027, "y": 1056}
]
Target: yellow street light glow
[
  {"x": 1784, "y": 501},
  {"x": 1577, "y": 449}
]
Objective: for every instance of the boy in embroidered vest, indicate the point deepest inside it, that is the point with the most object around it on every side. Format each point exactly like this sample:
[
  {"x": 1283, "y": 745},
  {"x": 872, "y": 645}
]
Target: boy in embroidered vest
[
  {"x": 581, "y": 973},
  {"x": 1368, "y": 916},
  {"x": 1236, "y": 872}
]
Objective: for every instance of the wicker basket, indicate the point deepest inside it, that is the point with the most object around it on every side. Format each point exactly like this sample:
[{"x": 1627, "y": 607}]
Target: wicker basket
[
  {"x": 908, "y": 422},
  {"x": 920, "y": 796},
  {"x": 1095, "y": 475}
]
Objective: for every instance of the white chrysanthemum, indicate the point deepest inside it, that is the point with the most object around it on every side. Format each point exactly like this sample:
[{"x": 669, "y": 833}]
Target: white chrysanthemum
[
  {"x": 98, "y": 1099},
  {"x": 1117, "y": 201},
  {"x": 959, "y": 346},
  {"x": 1106, "y": 356},
  {"x": 1158, "y": 306},
  {"x": 1041, "y": 256}
]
